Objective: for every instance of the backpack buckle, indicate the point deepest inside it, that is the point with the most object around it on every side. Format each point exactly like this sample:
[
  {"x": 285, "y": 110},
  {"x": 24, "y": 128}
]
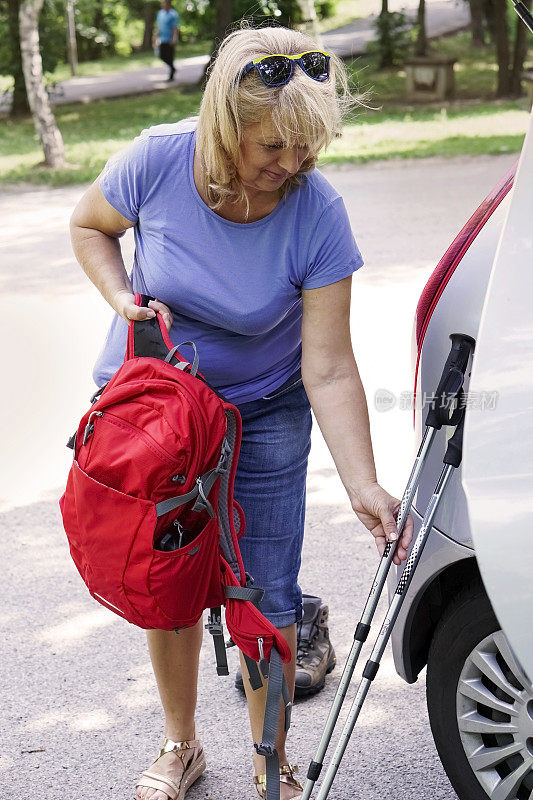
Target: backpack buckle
[
  {"x": 222, "y": 465},
  {"x": 264, "y": 749},
  {"x": 202, "y": 503},
  {"x": 214, "y": 624}
]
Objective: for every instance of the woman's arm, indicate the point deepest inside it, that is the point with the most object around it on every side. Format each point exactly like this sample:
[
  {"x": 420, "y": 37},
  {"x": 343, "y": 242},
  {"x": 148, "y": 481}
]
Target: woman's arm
[
  {"x": 95, "y": 228},
  {"x": 337, "y": 397}
]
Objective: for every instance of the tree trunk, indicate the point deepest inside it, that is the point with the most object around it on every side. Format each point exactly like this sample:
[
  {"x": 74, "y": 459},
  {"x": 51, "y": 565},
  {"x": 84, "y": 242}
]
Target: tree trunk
[
  {"x": 94, "y": 51},
  {"x": 476, "y": 15},
  {"x": 19, "y": 104},
  {"x": 45, "y": 124},
  {"x": 421, "y": 46},
  {"x": 72, "y": 47},
  {"x": 223, "y": 23},
  {"x": 386, "y": 59},
  {"x": 149, "y": 19},
  {"x": 502, "y": 48},
  {"x": 520, "y": 53},
  {"x": 489, "y": 14}
]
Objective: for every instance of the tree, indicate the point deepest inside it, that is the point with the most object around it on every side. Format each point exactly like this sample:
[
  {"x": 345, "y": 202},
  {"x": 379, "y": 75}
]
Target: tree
[
  {"x": 520, "y": 53},
  {"x": 393, "y": 38},
  {"x": 20, "y": 98},
  {"x": 149, "y": 13},
  {"x": 421, "y": 45},
  {"x": 477, "y": 27},
  {"x": 72, "y": 46},
  {"x": 383, "y": 24},
  {"x": 502, "y": 47},
  {"x": 510, "y": 54},
  {"x": 223, "y": 23},
  {"x": 45, "y": 124}
]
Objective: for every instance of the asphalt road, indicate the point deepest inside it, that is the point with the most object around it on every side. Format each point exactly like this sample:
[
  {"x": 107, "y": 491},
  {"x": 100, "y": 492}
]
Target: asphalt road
[{"x": 79, "y": 704}]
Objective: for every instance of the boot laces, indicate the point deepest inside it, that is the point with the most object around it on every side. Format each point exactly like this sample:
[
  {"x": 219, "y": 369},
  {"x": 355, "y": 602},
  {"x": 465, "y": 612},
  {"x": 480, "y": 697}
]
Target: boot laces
[{"x": 304, "y": 645}]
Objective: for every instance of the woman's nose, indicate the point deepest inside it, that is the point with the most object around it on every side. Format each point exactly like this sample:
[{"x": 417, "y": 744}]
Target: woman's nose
[{"x": 290, "y": 159}]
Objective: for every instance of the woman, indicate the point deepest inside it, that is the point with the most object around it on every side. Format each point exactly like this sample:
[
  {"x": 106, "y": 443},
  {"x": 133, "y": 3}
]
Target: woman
[{"x": 250, "y": 254}]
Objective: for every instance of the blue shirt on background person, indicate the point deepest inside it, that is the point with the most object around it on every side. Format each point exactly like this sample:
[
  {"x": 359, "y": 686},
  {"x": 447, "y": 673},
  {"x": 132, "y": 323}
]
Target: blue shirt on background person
[{"x": 167, "y": 22}]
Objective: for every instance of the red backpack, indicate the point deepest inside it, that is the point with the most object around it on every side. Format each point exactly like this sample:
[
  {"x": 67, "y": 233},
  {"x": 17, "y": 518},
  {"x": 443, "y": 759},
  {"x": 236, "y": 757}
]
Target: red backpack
[{"x": 149, "y": 511}]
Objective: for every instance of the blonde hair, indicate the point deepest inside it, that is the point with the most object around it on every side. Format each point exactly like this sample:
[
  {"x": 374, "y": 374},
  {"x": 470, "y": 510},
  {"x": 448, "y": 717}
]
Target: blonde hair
[{"x": 303, "y": 110}]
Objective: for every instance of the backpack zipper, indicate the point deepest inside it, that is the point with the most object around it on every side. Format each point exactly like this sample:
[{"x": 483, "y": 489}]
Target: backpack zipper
[
  {"x": 89, "y": 428},
  {"x": 199, "y": 430},
  {"x": 150, "y": 441}
]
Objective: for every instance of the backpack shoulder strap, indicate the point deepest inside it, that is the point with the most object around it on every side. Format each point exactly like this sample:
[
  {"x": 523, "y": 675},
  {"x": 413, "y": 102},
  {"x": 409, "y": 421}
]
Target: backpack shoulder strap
[{"x": 229, "y": 519}]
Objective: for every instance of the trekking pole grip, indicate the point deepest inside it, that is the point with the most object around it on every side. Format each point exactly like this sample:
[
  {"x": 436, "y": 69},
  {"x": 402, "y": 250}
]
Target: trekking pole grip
[
  {"x": 451, "y": 380},
  {"x": 454, "y": 451}
]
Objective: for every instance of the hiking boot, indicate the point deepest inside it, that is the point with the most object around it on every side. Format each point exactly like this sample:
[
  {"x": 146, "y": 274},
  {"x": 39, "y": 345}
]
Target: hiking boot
[{"x": 316, "y": 656}]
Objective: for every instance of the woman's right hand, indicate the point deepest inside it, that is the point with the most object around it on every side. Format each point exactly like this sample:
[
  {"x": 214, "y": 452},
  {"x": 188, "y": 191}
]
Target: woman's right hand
[{"x": 124, "y": 304}]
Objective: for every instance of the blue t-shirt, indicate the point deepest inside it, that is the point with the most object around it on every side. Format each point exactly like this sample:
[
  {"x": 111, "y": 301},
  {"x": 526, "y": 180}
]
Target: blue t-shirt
[
  {"x": 166, "y": 22},
  {"x": 234, "y": 288}
]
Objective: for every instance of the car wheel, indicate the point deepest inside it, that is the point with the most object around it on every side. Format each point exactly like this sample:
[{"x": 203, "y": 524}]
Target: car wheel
[{"x": 480, "y": 704}]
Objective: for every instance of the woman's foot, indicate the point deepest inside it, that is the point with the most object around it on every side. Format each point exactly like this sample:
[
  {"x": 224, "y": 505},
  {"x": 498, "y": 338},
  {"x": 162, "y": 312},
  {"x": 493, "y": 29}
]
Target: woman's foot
[
  {"x": 175, "y": 769},
  {"x": 289, "y": 787}
]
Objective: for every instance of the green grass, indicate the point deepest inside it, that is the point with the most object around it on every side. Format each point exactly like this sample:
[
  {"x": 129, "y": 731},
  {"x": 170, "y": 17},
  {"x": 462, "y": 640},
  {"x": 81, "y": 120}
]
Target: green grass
[
  {"x": 91, "y": 133},
  {"x": 481, "y": 129},
  {"x": 474, "y": 124}
]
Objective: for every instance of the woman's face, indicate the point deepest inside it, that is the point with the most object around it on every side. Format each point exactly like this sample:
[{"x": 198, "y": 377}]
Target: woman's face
[{"x": 266, "y": 161}]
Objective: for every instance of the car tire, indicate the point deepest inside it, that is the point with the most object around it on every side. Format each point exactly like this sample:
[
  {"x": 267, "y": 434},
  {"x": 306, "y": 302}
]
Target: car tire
[{"x": 467, "y": 633}]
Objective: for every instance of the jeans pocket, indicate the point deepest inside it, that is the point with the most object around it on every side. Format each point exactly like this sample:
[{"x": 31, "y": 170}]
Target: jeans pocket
[{"x": 291, "y": 383}]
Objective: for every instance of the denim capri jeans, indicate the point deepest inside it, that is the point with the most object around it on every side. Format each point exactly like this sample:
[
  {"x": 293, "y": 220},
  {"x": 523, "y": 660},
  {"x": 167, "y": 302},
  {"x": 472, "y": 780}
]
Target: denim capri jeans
[{"x": 270, "y": 486}]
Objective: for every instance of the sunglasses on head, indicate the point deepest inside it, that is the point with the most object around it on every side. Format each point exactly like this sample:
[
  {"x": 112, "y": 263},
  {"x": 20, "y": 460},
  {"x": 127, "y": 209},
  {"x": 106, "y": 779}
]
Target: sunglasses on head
[{"x": 277, "y": 70}]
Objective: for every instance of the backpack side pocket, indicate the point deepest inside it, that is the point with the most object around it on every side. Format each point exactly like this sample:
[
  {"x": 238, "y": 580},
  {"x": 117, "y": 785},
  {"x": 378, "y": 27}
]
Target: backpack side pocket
[{"x": 110, "y": 537}]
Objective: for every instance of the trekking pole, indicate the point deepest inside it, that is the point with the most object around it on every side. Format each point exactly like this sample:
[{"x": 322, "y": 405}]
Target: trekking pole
[
  {"x": 452, "y": 460},
  {"x": 449, "y": 385},
  {"x": 524, "y": 13}
]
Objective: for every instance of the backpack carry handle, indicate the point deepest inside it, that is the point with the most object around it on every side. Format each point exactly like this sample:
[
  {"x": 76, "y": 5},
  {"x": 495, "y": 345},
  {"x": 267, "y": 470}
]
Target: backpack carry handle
[{"x": 149, "y": 337}]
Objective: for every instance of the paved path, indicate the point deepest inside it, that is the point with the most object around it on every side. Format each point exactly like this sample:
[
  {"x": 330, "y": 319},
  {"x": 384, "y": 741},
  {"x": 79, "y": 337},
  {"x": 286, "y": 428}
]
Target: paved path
[
  {"x": 80, "y": 709},
  {"x": 443, "y": 17}
]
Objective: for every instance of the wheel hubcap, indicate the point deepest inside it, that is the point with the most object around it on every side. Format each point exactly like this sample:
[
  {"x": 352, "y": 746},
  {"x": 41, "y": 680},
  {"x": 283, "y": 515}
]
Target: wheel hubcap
[{"x": 495, "y": 720}]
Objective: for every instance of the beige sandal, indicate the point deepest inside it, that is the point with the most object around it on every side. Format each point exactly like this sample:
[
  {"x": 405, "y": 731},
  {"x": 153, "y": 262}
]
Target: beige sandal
[
  {"x": 193, "y": 770},
  {"x": 286, "y": 775}
]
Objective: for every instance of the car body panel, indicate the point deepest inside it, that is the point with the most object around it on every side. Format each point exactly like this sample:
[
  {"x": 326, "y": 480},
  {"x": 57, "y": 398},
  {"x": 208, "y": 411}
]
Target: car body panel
[
  {"x": 456, "y": 308},
  {"x": 498, "y": 444},
  {"x": 457, "y": 311},
  {"x": 440, "y": 552}
]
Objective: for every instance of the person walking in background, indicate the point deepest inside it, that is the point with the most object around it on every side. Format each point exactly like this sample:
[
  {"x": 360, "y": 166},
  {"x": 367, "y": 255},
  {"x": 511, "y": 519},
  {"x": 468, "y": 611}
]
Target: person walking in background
[{"x": 168, "y": 25}]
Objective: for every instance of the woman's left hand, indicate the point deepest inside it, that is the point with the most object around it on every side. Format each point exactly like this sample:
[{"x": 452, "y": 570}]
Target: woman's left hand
[
  {"x": 164, "y": 310},
  {"x": 377, "y": 510}
]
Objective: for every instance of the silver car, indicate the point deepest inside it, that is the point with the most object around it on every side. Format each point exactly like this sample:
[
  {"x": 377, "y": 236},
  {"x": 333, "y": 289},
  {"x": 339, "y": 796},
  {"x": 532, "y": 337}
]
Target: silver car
[{"x": 479, "y": 696}]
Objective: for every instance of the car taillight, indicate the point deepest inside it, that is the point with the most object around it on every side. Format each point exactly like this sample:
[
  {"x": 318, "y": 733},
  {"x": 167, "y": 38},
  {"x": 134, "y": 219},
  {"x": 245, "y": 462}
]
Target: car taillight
[{"x": 444, "y": 270}]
